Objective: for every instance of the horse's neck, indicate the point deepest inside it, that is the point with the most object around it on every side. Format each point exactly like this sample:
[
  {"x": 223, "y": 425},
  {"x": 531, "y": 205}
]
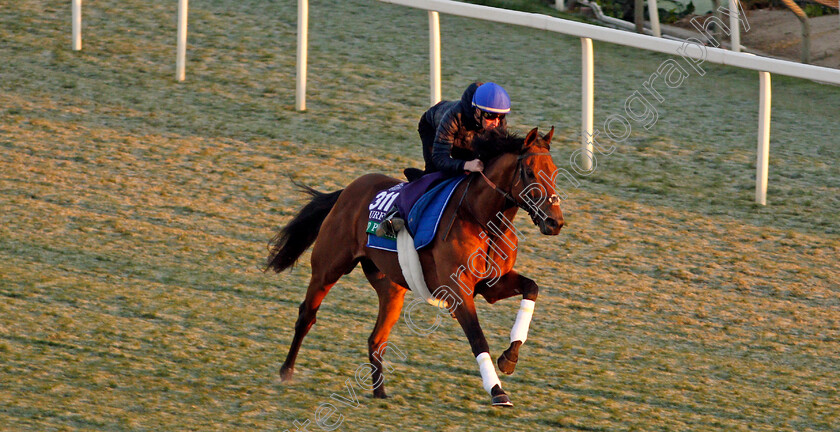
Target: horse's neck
[
  {"x": 486, "y": 202},
  {"x": 492, "y": 216}
]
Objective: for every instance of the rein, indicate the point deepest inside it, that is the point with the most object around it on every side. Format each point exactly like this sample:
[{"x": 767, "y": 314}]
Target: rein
[
  {"x": 506, "y": 194},
  {"x": 469, "y": 210}
]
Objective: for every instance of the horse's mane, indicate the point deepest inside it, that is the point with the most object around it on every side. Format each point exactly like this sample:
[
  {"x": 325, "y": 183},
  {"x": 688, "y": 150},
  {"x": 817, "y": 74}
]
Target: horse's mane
[{"x": 494, "y": 143}]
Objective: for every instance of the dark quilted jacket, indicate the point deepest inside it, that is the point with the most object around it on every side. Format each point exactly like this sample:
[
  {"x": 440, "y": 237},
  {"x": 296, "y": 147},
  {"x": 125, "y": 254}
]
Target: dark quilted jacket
[{"x": 456, "y": 127}]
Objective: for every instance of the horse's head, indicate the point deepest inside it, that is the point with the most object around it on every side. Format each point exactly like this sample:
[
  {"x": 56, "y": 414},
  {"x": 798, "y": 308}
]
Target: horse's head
[{"x": 531, "y": 184}]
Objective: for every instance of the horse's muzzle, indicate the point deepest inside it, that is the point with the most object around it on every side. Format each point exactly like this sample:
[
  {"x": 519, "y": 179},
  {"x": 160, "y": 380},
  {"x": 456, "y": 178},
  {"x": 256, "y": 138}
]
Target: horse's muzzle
[{"x": 551, "y": 226}]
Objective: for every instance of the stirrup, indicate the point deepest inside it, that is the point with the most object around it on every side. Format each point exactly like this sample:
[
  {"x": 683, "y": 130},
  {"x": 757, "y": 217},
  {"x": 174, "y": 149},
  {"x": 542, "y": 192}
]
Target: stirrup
[{"x": 390, "y": 226}]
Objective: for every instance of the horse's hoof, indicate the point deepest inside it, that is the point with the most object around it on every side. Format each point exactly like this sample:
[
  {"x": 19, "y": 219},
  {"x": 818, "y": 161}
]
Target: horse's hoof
[
  {"x": 506, "y": 365},
  {"x": 286, "y": 374},
  {"x": 502, "y": 400},
  {"x": 507, "y": 361}
]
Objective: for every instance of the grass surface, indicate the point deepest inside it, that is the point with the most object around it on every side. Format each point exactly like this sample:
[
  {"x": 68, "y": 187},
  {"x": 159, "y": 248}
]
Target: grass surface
[{"x": 136, "y": 212}]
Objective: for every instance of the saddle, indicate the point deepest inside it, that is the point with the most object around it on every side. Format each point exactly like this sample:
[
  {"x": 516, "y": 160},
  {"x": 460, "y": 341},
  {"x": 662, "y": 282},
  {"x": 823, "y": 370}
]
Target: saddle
[
  {"x": 413, "y": 173},
  {"x": 420, "y": 203}
]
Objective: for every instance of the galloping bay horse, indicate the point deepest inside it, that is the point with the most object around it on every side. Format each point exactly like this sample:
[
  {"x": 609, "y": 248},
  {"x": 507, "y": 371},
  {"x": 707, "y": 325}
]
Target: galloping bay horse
[{"x": 475, "y": 252}]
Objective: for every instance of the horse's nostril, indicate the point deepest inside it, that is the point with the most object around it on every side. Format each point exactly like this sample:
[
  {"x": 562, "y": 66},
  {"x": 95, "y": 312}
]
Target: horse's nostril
[{"x": 551, "y": 225}]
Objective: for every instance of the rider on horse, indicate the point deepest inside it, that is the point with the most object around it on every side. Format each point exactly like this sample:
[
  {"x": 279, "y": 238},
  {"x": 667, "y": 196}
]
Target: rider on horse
[{"x": 447, "y": 131}]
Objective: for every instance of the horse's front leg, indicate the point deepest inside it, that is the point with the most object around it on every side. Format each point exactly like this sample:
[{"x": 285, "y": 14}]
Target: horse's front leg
[
  {"x": 506, "y": 286},
  {"x": 464, "y": 312}
]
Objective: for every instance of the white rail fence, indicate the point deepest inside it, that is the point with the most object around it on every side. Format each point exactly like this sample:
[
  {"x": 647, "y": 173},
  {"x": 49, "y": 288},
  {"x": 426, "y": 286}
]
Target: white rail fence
[{"x": 692, "y": 50}]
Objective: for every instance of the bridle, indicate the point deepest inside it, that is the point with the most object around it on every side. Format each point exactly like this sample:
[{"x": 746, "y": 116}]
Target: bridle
[
  {"x": 523, "y": 177},
  {"x": 511, "y": 201}
]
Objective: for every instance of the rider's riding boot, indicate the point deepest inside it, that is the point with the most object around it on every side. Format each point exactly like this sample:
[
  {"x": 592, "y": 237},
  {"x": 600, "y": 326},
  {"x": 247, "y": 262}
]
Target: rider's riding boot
[{"x": 390, "y": 226}]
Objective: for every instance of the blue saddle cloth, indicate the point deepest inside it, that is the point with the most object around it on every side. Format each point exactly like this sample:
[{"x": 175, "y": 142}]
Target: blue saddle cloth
[{"x": 424, "y": 214}]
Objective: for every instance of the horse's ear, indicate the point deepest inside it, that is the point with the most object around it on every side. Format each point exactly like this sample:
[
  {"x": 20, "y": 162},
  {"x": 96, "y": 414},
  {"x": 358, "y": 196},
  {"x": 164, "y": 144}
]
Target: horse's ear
[
  {"x": 548, "y": 136},
  {"x": 531, "y": 138},
  {"x": 545, "y": 142}
]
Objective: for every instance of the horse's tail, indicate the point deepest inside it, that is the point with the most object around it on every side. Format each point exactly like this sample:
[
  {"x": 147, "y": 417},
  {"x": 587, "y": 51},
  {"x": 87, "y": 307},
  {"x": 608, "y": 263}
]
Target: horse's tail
[{"x": 296, "y": 237}]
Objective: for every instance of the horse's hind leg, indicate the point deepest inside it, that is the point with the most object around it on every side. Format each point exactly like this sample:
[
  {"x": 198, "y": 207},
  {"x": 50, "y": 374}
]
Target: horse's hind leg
[
  {"x": 509, "y": 285},
  {"x": 327, "y": 268},
  {"x": 391, "y": 298}
]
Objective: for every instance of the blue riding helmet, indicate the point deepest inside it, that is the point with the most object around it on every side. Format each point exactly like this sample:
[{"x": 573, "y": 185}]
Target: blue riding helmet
[{"x": 491, "y": 97}]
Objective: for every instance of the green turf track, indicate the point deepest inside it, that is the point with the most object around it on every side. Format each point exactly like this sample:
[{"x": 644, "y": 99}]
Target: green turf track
[{"x": 135, "y": 212}]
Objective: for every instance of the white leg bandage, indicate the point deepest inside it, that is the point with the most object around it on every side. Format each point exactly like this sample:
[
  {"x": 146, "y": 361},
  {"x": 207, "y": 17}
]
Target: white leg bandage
[
  {"x": 519, "y": 332},
  {"x": 488, "y": 372}
]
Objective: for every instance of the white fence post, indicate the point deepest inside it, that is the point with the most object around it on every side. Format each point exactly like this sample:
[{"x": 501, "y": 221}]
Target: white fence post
[
  {"x": 76, "y": 12},
  {"x": 654, "y": 18},
  {"x": 763, "y": 153},
  {"x": 560, "y": 5},
  {"x": 302, "y": 46},
  {"x": 588, "y": 101},
  {"x": 181, "y": 56},
  {"x": 434, "y": 56},
  {"x": 735, "y": 25}
]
